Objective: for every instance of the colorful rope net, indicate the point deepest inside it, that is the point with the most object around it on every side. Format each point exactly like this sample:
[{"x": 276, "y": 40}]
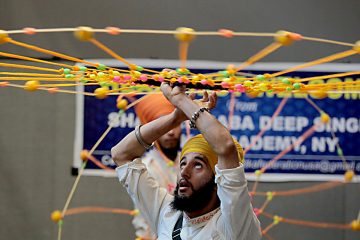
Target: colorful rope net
[{"x": 58, "y": 77}]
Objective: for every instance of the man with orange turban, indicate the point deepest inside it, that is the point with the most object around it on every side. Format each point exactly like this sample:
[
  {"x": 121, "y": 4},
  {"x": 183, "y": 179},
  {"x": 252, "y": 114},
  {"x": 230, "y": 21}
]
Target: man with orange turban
[
  {"x": 161, "y": 160},
  {"x": 211, "y": 199}
]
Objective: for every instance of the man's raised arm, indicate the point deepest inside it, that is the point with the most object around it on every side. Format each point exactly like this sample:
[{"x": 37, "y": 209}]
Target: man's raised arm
[
  {"x": 136, "y": 142},
  {"x": 213, "y": 131}
]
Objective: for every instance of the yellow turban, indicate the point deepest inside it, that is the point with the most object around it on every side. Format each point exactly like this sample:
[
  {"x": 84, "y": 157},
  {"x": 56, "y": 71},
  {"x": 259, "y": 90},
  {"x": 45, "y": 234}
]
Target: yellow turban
[
  {"x": 152, "y": 107},
  {"x": 198, "y": 144}
]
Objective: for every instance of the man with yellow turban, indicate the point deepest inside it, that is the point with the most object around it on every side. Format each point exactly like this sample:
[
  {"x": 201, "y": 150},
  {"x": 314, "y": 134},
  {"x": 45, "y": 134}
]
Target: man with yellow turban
[
  {"x": 162, "y": 160},
  {"x": 211, "y": 199}
]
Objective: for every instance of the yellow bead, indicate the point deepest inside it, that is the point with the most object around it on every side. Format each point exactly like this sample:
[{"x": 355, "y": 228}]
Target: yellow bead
[
  {"x": 263, "y": 87},
  {"x": 253, "y": 94},
  {"x": 122, "y": 104},
  {"x": 31, "y": 85},
  {"x": 101, "y": 92},
  {"x": 185, "y": 34},
  {"x": 356, "y": 47},
  {"x": 248, "y": 83},
  {"x": 319, "y": 94},
  {"x": 269, "y": 196},
  {"x": 324, "y": 117},
  {"x": 355, "y": 225},
  {"x": 84, "y": 33},
  {"x": 56, "y": 216},
  {"x": 283, "y": 37},
  {"x": 258, "y": 173},
  {"x": 4, "y": 37},
  {"x": 277, "y": 219},
  {"x": 135, "y": 212},
  {"x": 170, "y": 163},
  {"x": 349, "y": 175},
  {"x": 84, "y": 154}
]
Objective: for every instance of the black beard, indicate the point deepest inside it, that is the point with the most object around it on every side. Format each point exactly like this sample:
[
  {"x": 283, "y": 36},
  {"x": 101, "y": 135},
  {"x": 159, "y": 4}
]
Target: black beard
[
  {"x": 198, "y": 199},
  {"x": 171, "y": 153}
]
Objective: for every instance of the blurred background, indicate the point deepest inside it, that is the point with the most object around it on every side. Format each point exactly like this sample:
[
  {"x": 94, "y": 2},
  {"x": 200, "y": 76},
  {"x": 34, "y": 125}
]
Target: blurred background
[{"x": 37, "y": 130}]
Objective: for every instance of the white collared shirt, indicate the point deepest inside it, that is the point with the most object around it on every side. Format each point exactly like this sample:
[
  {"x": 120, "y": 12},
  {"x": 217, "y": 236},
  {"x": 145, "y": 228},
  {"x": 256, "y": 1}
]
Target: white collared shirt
[{"x": 235, "y": 219}]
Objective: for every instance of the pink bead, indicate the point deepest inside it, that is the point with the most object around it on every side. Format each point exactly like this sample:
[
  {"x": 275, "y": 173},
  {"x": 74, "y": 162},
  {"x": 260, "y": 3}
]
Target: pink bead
[
  {"x": 143, "y": 78},
  {"x": 180, "y": 80},
  {"x": 161, "y": 79},
  {"x": 240, "y": 88},
  {"x": 257, "y": 211},
  {"x": 204, "y": 82},
  {"x": 127, "y": 77},
  {"x": 116, "y": 79},
  {"x": 225, "y": 85}
]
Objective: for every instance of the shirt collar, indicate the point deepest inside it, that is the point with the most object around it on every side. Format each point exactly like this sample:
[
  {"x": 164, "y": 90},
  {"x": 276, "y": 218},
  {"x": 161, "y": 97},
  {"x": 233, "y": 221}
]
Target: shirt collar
[{"x": 201, "y": 219}]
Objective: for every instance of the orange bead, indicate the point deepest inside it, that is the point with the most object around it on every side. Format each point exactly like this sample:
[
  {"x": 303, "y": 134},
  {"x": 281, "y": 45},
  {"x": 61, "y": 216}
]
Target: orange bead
[
  {"x": 29, "y": 31},
  {"x": 113, "y": 30},
  {"x": 53, "y": 90},
  {"x": 226, "y": 33}
]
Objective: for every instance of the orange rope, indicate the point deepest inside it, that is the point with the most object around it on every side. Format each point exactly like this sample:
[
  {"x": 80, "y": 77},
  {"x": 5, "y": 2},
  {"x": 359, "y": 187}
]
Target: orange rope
[
  {"x": 38, "y": 49},
  {"x": 109, "y": 51},
  {"x": 263, "y": 53},
  {"x": 33, "y": 59},
  {"x": 11, "y": 65},
  {"x": 276, "y": 113},
  {"x": 318, "y": 61},
  {"x": 79, "y": 210},
  {"x": 302, "y": 138},
  {"x": 311, "y": 189},
  {"x": 183, "y": 52},
  {"x": 310, "y": 223}
]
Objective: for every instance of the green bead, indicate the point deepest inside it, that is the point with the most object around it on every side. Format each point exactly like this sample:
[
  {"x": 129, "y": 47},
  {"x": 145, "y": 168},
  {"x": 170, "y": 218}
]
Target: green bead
[
  {"x": 101, "y": 67},
  {"x": 83, "y": 69},
  {"x": 69, "y": 76},
  {"x": 101, "y": 74},
  {"x": 121, "y": 112},
  {"x": 286, "y": 81},
  {"x": 84, "y": 80},
  {"x": 139, "y": 68},
  {"x": 289, "y": 89},
  {"x": 339, "y": 151},
  {"x": 67, "y": 71},
  {"x": 224, "y": 73},
  {"x": 296, "y": 86},
  {"x": 260, "y": 77}
]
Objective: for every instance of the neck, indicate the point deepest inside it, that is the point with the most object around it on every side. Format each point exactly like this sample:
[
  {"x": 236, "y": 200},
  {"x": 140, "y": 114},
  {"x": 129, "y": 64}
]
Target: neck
[
  {"x": 170, "y": 153},
  {"x": 212, "y": 205}
]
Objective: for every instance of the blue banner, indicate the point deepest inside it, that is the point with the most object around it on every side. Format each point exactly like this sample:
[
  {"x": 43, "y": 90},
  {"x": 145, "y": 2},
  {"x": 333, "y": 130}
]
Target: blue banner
[{"x": 323, "y": 154}]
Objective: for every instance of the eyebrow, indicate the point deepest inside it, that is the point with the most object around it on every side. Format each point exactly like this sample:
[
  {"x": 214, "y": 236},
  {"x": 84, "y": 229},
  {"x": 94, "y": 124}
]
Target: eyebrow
[{"x": 199, "y": 158}]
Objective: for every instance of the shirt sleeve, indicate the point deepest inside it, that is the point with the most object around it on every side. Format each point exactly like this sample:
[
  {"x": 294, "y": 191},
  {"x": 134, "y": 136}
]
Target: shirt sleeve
[
  {"x": 144, "y": 191},
  {"x": 238, "y": 220}
]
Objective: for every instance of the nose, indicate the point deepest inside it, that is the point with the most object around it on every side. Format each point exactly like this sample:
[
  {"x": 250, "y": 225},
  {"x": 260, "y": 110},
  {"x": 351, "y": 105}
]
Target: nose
[
  {"x": 171, "y": 132},
  {"x": 185, "y": 171}
]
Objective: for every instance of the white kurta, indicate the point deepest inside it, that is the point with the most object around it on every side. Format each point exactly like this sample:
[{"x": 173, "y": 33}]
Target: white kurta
[
  {"x": 165, "y": 175},
  {"x": 234, "y": 220}
]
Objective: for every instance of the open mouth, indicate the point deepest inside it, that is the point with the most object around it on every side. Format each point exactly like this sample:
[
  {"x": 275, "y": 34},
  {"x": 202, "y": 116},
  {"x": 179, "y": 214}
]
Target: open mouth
[{"x": 183, "y": 185}]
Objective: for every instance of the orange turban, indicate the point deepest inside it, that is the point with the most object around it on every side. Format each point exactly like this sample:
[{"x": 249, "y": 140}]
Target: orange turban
[
  {"x": 152, "y": 107},
  {"x": 198, "y": 144}
]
